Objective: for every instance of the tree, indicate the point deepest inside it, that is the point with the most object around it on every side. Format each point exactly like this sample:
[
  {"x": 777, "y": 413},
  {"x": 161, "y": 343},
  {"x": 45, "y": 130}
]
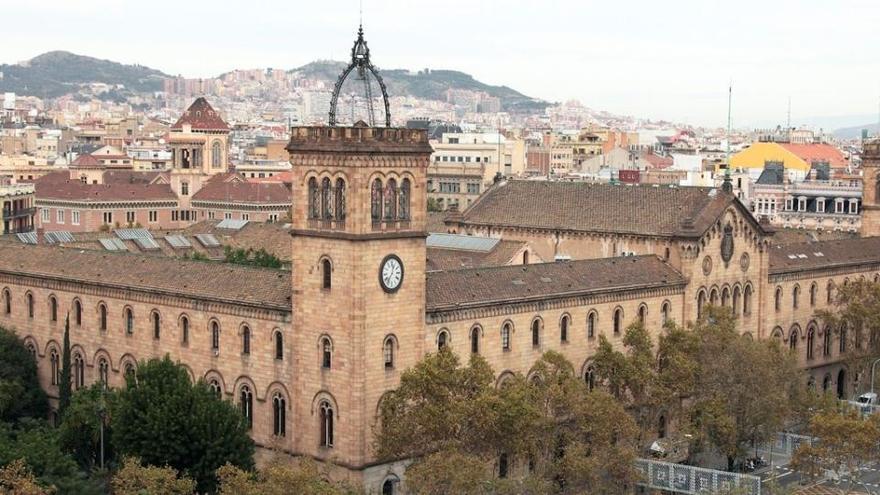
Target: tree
[
  {"x": 845, "y": 444},
  {"x": 164, "y": 419},
  {"x": 80, "y": 429},
  {"x": 450, "y": 472},
  {"x": 16, "y": 478},
  {"x": 20, "y": 392},
  {"x": 64, "y": 390},
  {"x": 855, "y": 317},
  {"x": 136, "y": 479},
  {"x": 279, "y": 478},
  {"x": 434, "y": 206}
]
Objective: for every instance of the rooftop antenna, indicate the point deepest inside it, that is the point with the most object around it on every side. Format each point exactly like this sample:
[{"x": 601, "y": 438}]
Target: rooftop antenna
[
  {"x": 788, "y": 121},
  {"x": 727, "y": 186}
]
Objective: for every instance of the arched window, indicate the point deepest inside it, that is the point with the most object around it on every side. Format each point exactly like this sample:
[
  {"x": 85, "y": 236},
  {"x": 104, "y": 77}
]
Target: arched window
[
  {"x": 79, "y": 372},
  {"x": 216, "y": 155},
  {"x": 793, "y": 339},
  {"x": 184, "y": 330},
  {"x": 314, "y": 199},
  {"x": 643, "y": 314},
  {"x": 77, "y": 312},
  {"x": 279, "y": 345},
  {"x": 591, "y": 324},
  {"x": 29, "y": 298},
  {"x": 536, "y": 332},
  {"x": 53, "y": 308},
  {"x": 388, "y": 352},
  {"x": 214, "y": 385},
  {"x": 326, "y": 199},
  {"x": 618, "y": 321},
  {"x": 795, "y": 296},
  {"x": 778, "y": 299},
  {"x": 404, "y": 200},
  {"x": 842, "y": 338},
  {"x": 246, "y": 398},
  {"x": 811, "y": 339},
  {"x": 505, "y": 336},
  {"x": 326, "y": 274},
  {"x": 245, "y": 340},
  {"x": 326, "y": 431},
  {"x": 665, "y": 309},
  {"x": 32, "y": 350},
  {"x": 442, "y": 339},
  {"x": 326, "y": 353},
  {"x": 388, "y": 486},
  {"x": 725, "y": 296},
  {"x": 701, "y": 302},
  {"x": 826, "y": 342},
  {"x": 590, "y": 377},
  {"x": 747, "y": 300},
  {"x": 157, "y": 325},
  {"x": 102, "y": 316},
  {"x": 128, "y": 316},
  {"x": 391, "y": 200},
  {"x": 340, "y": 200},
  {"x": 563, "y": 329},
  {"x": 279, "y": 415},
  {"x": 475, "y": 340},
  {"x": 814, "y": 290},
  {"x": 7, "y": 301},
  {"x": 215, "y": 336},
  {"x": 376, "y": 201},
  {"x": 129, "y": 370},
  {"x": 736, "y": 300},
  {"x": 55, "y": 366},
  {"x": 713, "y": 297},
  {"x": 829, "y": 296},
  {"x": 103, "y": 371}
]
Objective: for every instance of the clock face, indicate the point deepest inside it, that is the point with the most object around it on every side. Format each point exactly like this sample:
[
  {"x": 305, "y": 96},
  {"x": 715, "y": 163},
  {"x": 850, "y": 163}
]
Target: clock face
[{"x": 391, "y": 273}]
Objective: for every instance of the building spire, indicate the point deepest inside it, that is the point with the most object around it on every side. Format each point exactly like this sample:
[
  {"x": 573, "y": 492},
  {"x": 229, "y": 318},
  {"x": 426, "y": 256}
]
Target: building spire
[{"x": 727, "y": 185}]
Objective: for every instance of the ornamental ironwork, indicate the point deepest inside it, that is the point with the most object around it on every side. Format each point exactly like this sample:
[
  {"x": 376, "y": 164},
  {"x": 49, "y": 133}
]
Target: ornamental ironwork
[{"x": 363, "y": 68}]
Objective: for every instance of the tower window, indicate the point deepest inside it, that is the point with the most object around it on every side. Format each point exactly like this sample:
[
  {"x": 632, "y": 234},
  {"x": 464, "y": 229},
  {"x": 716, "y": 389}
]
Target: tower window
[
  {"x": 505, "y": 337},
  {"x": 326, "y": 200},
  {"x": 475, "y": 340},
  {"x": 55, "y": 367},
  {"x": 279, "y": 345},
  {"x": 247, "y": 405},
  {"x": 403, "y": 209},
  {"x": 77, "y": 312},
  {"x": 184, "y": 330},
  {"x": 340, "y": 200},
  {"x": 442, "y": 339},
  {"x": 326, "y": 431},
  {"x": 326, "y": 353},
  {"x": 53, "y": 308},
  {"x": 391, "y": 200},
  {"x": 215, "y": 336},
  {"x": 129, "y": 321},
  {"x": 29, "y": 298},
  {"x": 376, "y": 201},
  {"x": 388, "y": 352},
  {"x": 79, "y": 370},
  {"x": 216, "y": 155},
  {"x": 245, "y": 340},
  {"x": 618, "y": 321},
  {"x": 156, "y": 325},
  {"x": 7, "y": 301},
  {"x": 536, "y": 332},
  {"x": 591, "y": 325},
  {"x": 563, "y": 329},
  {"x": 326, "y": 273},
  {"x": 314, "y": 198},
  {"x": 279, "y": 415},
  {"x": 102, "y": 315}
]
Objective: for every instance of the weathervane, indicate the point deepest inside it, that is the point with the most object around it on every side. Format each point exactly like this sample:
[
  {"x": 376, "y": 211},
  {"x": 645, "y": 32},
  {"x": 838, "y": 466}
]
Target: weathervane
[{"x": 360, "y": 60}]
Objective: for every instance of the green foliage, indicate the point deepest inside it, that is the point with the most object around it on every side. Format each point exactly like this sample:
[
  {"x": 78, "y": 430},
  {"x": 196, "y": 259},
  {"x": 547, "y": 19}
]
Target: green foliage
[
  {"x": 164, "y": 419},
  {"x": 20, "y": 392},
  {"x": 249, "y": 257},
  {"x": 80, "y": 429},
  {"x": 280, "y": 478},
  {"x": 196, "y": 256},
  {"x": 64, "y": 389},
  {"x": 856, "y": 306},
  {"x": 434, "y": 206},
  {"x": 135, "y": 479}
]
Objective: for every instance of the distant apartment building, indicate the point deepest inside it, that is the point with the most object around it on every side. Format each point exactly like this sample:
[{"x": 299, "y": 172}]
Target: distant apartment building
[
  {"x": 18, "y": 207},
  {"x": 463, "y": 165},
  {"x": 23, "y": 168}
]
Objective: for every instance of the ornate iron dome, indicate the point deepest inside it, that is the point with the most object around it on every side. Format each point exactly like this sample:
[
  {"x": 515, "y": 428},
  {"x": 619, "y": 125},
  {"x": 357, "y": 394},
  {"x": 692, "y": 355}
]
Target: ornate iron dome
[{"x": 360, "y": 60}]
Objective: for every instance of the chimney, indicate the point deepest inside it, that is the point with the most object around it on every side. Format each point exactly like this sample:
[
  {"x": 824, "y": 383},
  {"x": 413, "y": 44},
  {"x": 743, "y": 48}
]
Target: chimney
[{"x": 40, "y": 232}]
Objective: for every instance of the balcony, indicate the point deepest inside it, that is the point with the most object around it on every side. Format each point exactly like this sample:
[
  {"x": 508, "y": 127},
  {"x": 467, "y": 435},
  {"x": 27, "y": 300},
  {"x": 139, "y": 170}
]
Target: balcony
[{"x": 19, "y": 213}]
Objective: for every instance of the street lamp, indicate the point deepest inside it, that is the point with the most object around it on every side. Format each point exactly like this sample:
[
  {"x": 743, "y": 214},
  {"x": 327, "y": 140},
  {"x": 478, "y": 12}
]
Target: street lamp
[{"x": 872, "y": 373}]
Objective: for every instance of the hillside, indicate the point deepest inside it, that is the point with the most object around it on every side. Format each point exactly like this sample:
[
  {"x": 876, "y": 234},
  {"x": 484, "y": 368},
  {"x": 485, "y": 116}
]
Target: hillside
[
  {"x": 429, "y": 84},
  {"x": 855, "y": 132},
  {"x": 58, "y": 73}
]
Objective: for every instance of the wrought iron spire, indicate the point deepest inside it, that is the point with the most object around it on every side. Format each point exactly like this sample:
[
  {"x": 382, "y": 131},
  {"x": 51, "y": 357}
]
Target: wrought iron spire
[{"x": 360, "y": 60}]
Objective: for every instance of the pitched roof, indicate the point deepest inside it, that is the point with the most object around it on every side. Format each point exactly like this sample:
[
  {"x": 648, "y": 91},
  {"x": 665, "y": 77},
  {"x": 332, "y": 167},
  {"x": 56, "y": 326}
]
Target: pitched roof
[
  {"x": 86, "y": 161},
  {"x": 243, "y": 192},
  {"x": 458, "y": 289},
  {"x": 225, "y": 282},
  {"x": 201, "y": 116},
  {"x": 824, "y": 254},
  {"x": 817, "y": 152},
  {"x": 58, "y": 185},
  {"x": 453, "y": 259},
  {"x": 585, "y": 207}
]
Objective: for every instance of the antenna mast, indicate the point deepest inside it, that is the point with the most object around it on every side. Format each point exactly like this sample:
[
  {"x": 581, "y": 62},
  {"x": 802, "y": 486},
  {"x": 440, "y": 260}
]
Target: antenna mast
[{"x": 727, "y": 186}]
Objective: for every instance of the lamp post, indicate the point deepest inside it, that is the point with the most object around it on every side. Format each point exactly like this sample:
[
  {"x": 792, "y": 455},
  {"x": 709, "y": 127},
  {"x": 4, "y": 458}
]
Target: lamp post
[{"x": 873, "y": 365}]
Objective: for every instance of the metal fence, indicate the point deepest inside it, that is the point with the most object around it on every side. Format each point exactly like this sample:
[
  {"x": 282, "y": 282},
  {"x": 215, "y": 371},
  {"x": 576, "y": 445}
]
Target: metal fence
[{"x": 693, "y": 480}]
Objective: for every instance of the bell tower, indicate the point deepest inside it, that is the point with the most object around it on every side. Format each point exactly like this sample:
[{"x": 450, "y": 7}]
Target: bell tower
[
  {"x": 358, "y": 243},
  {"x": 871, "y": 188}
]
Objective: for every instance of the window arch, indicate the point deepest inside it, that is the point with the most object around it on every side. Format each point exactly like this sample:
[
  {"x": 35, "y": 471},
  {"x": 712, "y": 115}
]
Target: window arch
[
  {"x": 829, "y": 295},
  {"x": 326, "y": 426},
  {"x": 279, "y": 345},
  {"x": 843, "y": 337},
  {"x": 129, "y": 370},
  {"x": 777, "y": 299},
  {"x": 713, "y": 296},
  {"x": 314, "y": 198},
  {"x": 475, "y": 340},
  {"x": 376, "y": 200},
  {"x": 643, "y": 314},
  {"x": 665, "y": 310},
  {"x": 79, "y": 372},
  {"x": 32, "y": 350},
  {"x": 104, "y": 371},
  {"x": 793, "y": 339},
  {"x": 184, "y": 329},
  {"x": 157, "y": 324},
  {"x": 7, "y": 301},
  {"x": 826, "y": 341},
  {"x": 214, "y": 385},
  {"x": 128, "y": 320},
  {"x": 77, "y": 312},
  {"x": 388, "y": 351},
  {"x": 592, "y": 318},
  {"x": 814, "y": 290},
  {"x": 701, "y": 302},
  {"x": 279, "y": 415},
  {"x": 389, "y": 486},
  {"x": 53, "y": 308},
  {"x": 747, "y": 300},
  {"x": 102, "y": 316},
  {"x": 339, "y": 195},
  {"x": 795, "y": 296},
  {"x": 215, "y": 336},
  {"x": 725, "y": 296},
  {"x": 216, "y": 155},
  {"x": 326, "y": 352},
  {"x": 811, "y": 339},
  {"x": 29, "y": 299},
  {"x": 536, "y": 332},
  {"x": 403, "y": 208},
  {"x": 617, "y": 320},
  {"x": 563, "y": 328},
  {"x": 326, "y": 274},
  {"x": 737, "y": 295},
  {"x": 326, "y": 199},
  {"x": 245, "y": 340},
  {"x": 246, "y": 401},
  {"x": 55, "y": 366},
  {"x": 391, "y": 200},
  {"x": 442, "y": 339},
  {"x": 506, "y": 330},
  {"x": 590, "y": 377}
]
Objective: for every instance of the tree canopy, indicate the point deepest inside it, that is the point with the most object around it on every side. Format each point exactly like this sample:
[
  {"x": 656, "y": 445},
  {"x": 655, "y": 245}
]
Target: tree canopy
[{"x": 20, "y": 392}]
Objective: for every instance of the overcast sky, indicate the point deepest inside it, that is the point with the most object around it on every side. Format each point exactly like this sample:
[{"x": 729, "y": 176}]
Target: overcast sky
[{"x": 650, "y": 58}]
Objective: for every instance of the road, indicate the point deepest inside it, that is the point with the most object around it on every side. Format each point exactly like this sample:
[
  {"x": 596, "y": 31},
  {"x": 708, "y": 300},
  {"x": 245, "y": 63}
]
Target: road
[{"x": 783, "y": 475}]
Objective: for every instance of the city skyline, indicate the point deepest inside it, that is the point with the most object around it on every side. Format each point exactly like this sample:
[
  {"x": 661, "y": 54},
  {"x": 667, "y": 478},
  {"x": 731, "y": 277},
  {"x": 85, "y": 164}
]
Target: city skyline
[{"x": 641, "y": 62}]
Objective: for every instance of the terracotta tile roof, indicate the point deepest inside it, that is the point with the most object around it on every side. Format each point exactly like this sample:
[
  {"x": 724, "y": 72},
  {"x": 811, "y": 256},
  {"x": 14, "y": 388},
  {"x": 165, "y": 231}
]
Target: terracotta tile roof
[
  {"x": 657, "y": 161},
  {"x": 817, "y": 152},
  {"x": 435, "y": 221},
  {"x": 243, "y": 192},
  {"x": 129, "y": 177},
  {"x": 228, "y": 283},
  {"x": 86, "y": 161},
  {"x": 585, "y": 207},
  {"x": 824, "y": 254},
  {"x": 457, "y": 289},
  {"x": 454, "y": 259},
  {"x": 201, "y": 116},
  {"x": 58, "y": 185}
]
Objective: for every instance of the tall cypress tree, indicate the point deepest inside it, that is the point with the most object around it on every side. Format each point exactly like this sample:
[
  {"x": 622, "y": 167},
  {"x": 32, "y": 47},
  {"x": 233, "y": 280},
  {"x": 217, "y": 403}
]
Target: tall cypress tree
[{"x": 64, "y": 391}]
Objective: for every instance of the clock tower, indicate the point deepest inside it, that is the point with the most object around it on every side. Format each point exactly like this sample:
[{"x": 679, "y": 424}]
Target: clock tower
[{"x": 358, "y": 262}]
